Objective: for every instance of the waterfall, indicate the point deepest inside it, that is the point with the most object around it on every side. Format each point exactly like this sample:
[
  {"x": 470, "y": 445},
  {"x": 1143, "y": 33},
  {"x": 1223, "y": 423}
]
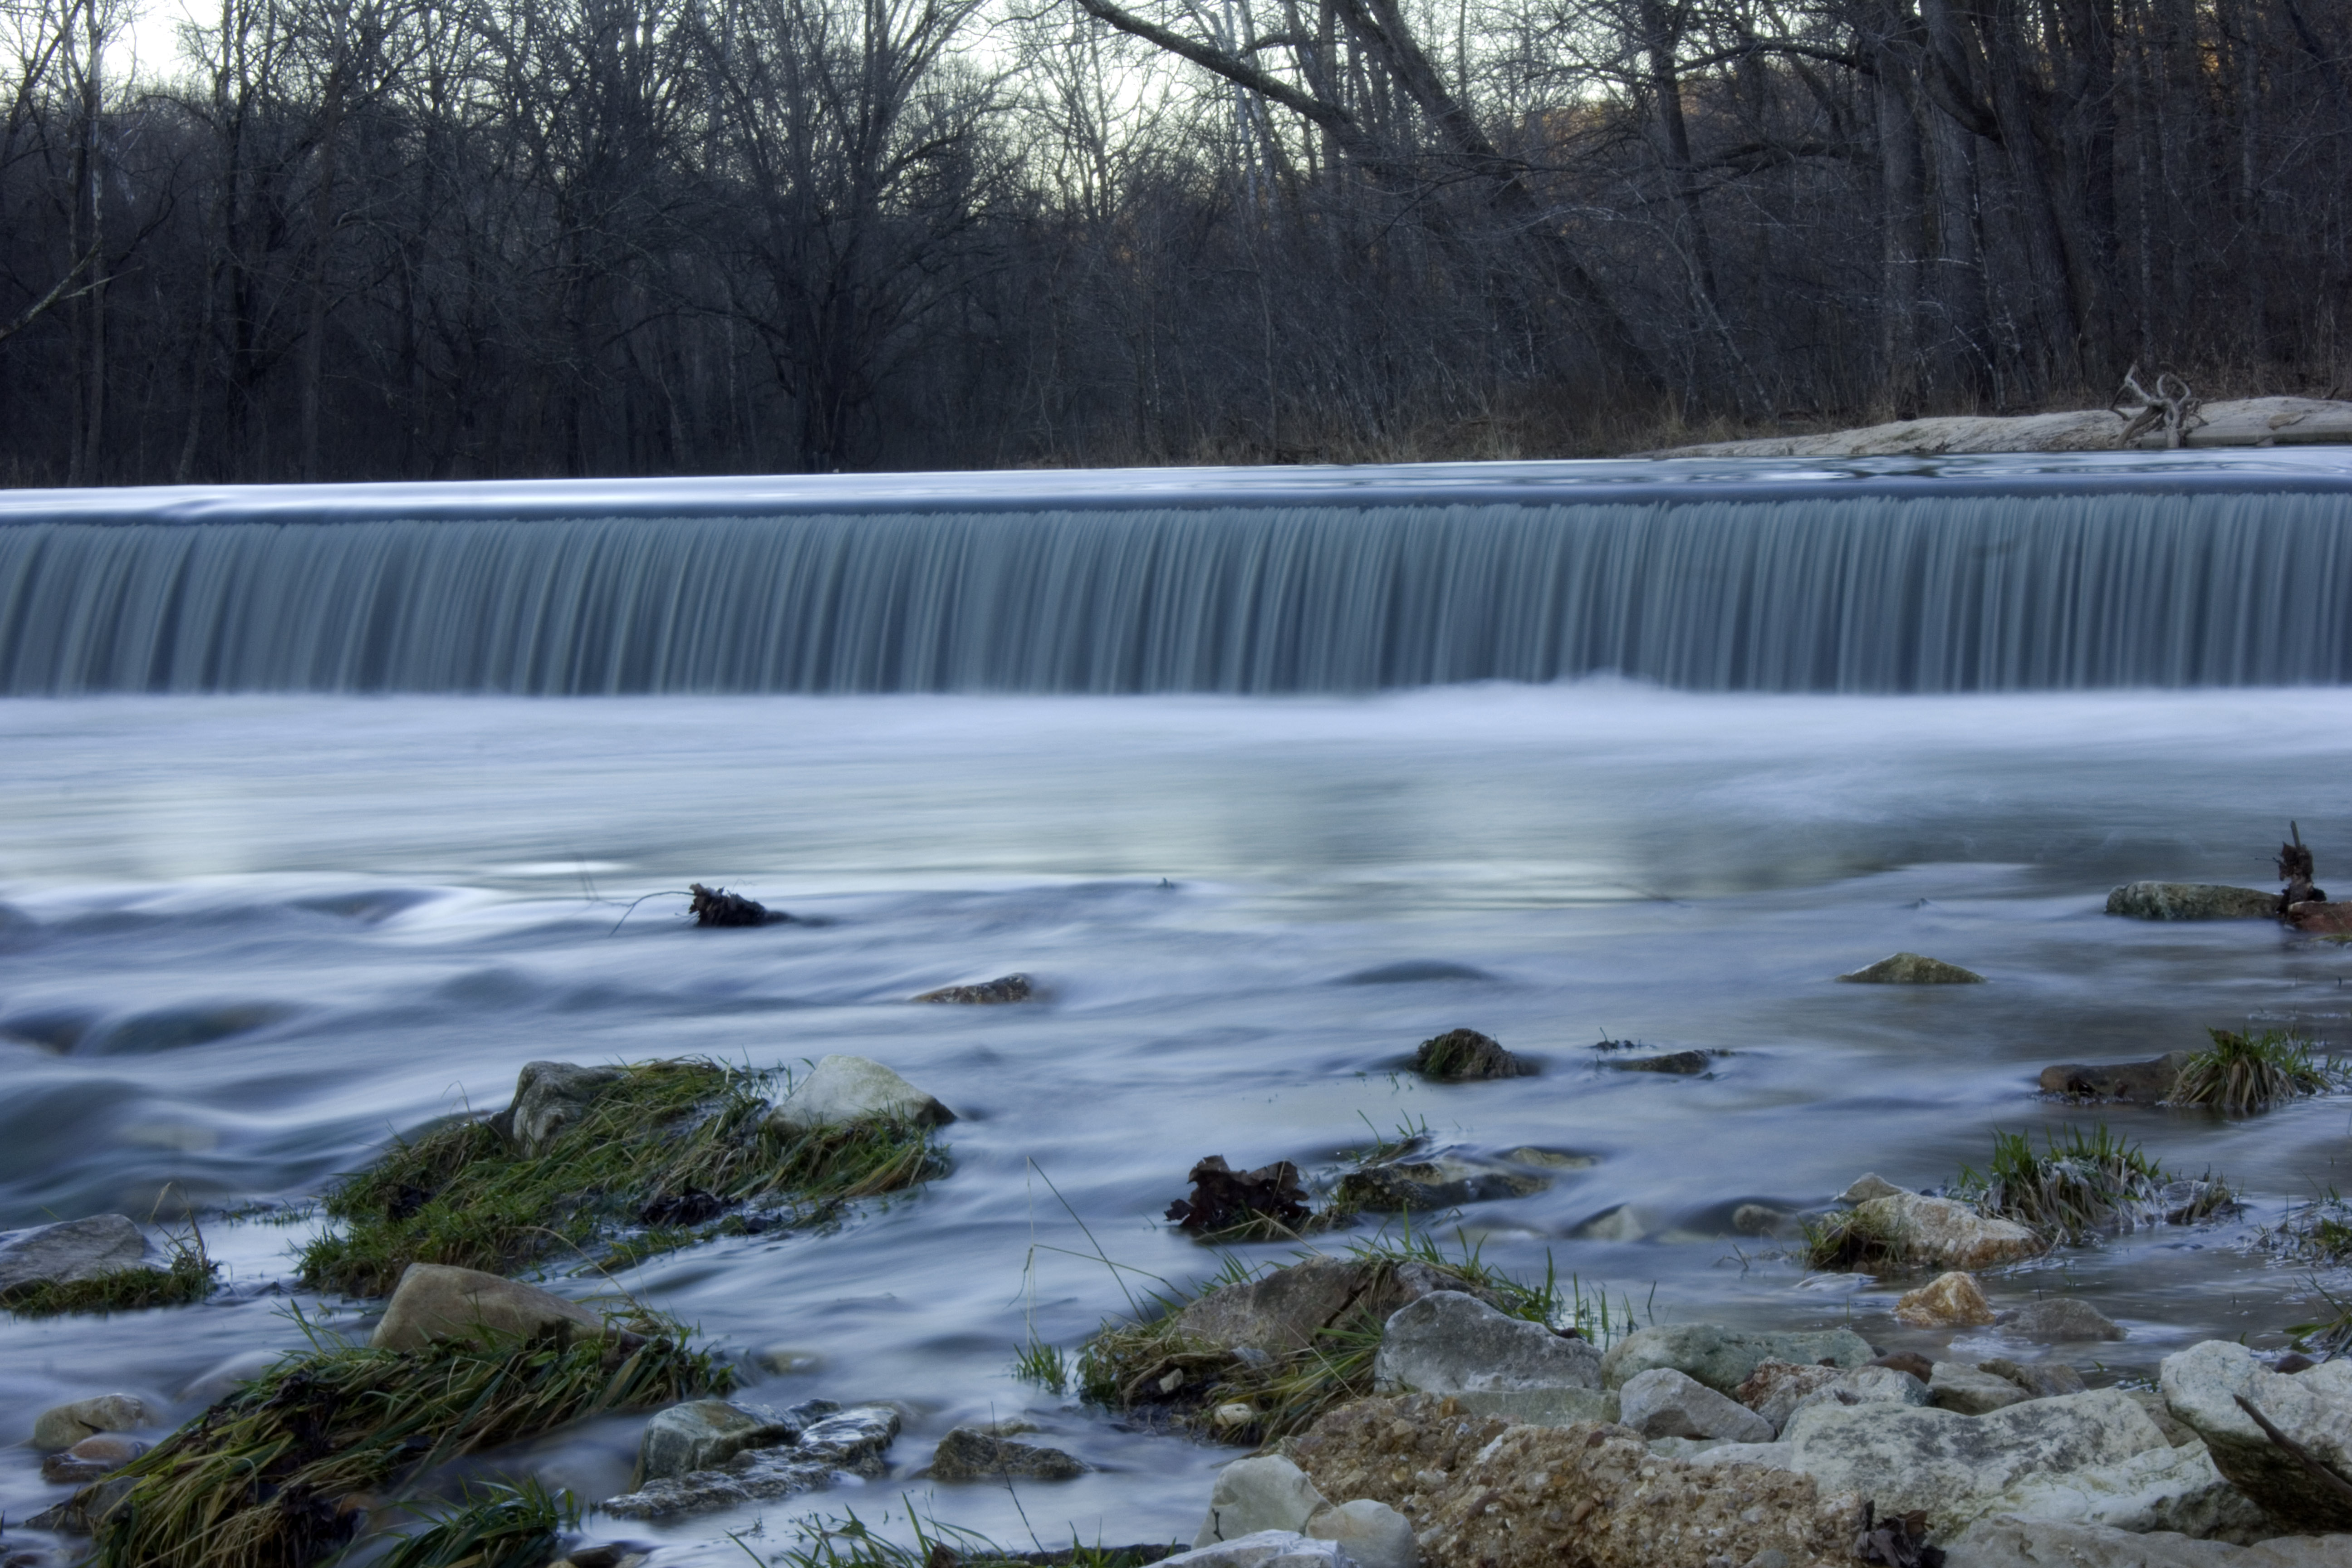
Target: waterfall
[{"x": 1870, "y": 588}]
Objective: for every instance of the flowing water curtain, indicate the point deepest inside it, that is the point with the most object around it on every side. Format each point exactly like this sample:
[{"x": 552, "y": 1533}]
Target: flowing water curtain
[{"x": 1942, "y": 593}]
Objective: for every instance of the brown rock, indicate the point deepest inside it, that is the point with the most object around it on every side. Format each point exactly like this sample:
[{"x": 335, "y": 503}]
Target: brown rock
[
  {"x": 1286, "y": 1309},
  {"x": 90, "y": 1458},
  {"x": 436, "y": 1302},
  {"x": 1912, "y": 1362},
  {"x": 1485, "y": 1494},
  {"x": 2141, "y": 1083},
  {"x": 2328, "y": 919},
  {"x": 1942, "y": 1232},
  {"x": 1949, "y": 1301}
]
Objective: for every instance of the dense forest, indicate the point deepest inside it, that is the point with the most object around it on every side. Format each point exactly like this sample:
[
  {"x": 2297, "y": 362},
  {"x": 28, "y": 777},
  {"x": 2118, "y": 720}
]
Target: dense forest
[{"x": 450, "y": 238}]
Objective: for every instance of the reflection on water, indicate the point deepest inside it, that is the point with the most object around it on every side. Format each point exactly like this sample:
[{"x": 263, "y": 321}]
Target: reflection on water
[{"x": 244, "y": 941}]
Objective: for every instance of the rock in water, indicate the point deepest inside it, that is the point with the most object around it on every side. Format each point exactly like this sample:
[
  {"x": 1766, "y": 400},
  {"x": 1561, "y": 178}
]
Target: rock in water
[
  {"x": 1224, "y": 1198},
  {"x": 851, "y": 1443},
  {"x": 2139, "y": 1083},
  {"x": 1253, "y": 1495},
  {"x": 1431, "y": 1182},
  {"x": 1462, "y": 1053},
  {"x": 988, "y": 993},
  {"x": 1677, "y": 1064},
  {"x": 1493, "y": 1363},
  {"x": 1907, "y": 1457},
  {"x": 702, "y": 1434},
  {"x": 965, "y": 1455},
  {"x": 1913, "y": 969},
  {"x": 75, "y": 1250},
  {"x": 842, "y": 1089},
  {"x": 1284, "y": 1311},
  {"x": 1940, "y": 1232},
  {"x": 2221, "y": 1393},
  {"x": 548, "y": 1097},
  {"x": 2191, "y": 902},
  {"x": 439, "y": 1301},
  {"x": 1663, "y": 1403},
  {"x": 1868, "y": 1187},
  {"x": 63, "y": 1426},
  {"x": 2055, "y": 1318},
  {"x": 90, "y": 1458},
  {"x": 1951, "y": 1300},
  {"x": 1722, "y": 1358},
  {"x": 1487, "y": 1494}
]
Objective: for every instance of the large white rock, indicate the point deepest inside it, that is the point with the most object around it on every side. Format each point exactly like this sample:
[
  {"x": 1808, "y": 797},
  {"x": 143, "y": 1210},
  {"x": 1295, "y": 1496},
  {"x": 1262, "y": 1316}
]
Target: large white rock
[
  {"x": 73, "y": 1250},
  {"x": 841, "y": 1090},
  {"x": 2202, "y": 1386},
  {"x": 1663, "y": 1403},
  {"x": 1907, "y": 1457},
  {"x": 1940, "y": 1232},
  {"x": 2173, "y": 1488},
  {"x": 1257, "y": 1495}
]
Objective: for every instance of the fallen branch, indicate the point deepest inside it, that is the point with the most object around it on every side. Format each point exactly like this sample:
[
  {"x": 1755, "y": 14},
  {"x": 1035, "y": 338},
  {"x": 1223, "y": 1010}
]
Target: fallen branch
[
  {"x": 2320, "y": 1470},
  {"x": 2172, "y": 403}
]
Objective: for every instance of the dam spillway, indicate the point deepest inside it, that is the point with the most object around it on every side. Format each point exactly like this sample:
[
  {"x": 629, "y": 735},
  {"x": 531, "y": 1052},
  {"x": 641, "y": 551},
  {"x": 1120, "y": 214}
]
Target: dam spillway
[{"x": 1886, "y": 575}]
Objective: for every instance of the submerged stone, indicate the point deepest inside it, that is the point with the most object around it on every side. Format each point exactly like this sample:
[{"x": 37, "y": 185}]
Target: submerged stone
[
  {"x": 2140, "y": 1083},
  {"x": 2056, "y": 1319},
  {"x": 1913, "y": 969},
  {"x": 988, "y": 993},
  {"x": 548, "y": 1097},
  {"x": 969, "y": 1454},
  {"x": 1680, "y": 1064},
  {"x": 2191, "y": 902},
  {"x": 62, "y": 1425},
  {"x": 1459, "y": 1055},
  {"x": 1431, "y": 1182},
  {"x": 848, "y": 1443},
  {"x": 704, "y": 1433}
]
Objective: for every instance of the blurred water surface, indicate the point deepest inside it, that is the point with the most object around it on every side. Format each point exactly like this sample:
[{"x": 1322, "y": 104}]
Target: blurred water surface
[{"x": 244, "y": 941}]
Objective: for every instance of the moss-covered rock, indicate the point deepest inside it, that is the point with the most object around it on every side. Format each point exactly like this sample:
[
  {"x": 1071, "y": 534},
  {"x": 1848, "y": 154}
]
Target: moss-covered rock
[{"x": 1913, "y": 969}]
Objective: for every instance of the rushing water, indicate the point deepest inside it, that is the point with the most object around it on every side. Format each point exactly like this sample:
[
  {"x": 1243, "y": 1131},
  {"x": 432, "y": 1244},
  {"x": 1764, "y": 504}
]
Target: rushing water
[
  {"x": 245, "y": 940},
  {"x": 2081, "y": 570}
]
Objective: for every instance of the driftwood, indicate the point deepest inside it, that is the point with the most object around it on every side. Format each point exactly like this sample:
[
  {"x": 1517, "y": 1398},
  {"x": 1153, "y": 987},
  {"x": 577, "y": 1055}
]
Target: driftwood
[
  {"x": 718, "y": 907},
  {"x": 2171, "y": 404},
  {"x": 2295, "y": 868}
]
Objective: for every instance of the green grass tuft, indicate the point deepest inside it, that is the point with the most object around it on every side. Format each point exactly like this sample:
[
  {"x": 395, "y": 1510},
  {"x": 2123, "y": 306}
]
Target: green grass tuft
[
  {"x": 2244, "y": 1073},
  {"x": 1047, "y": 1367},
  {"x": 2085, "y": 1184},
  {"x": 268, "y": 1477},
  {"x": 666, "y": 1130},
  {"x": 1852, "y": 1242},
  {"x": 2316, "y": 1232},
  {"x": 848, "y": 1541},
  {"x": 1127, "y": 1365},
  {"x": 493, "y": 1526},
  {"x": 188, "y": 1278}
]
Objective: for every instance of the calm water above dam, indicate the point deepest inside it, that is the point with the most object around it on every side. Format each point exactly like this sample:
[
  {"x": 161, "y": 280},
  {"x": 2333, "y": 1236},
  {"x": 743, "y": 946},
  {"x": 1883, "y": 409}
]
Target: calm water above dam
[
  {"x": 247, "y": 940},
  {"x": 1264, "y": 777}
]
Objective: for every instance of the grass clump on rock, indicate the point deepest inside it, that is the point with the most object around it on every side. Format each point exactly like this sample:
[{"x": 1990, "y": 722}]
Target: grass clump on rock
[
  {"x": 2088, "y": 1182},
  {"x": 1851, "y": 1241},
  {"x": 657, "y": 1155},
  {"x": 1176, "y": 1362},
  {"x": 493, "y": 1526},
  {"x": 2251, "y": 1072},
  {"x": 186, "y": 1278},
  {"x": 279, "y": 1474}
]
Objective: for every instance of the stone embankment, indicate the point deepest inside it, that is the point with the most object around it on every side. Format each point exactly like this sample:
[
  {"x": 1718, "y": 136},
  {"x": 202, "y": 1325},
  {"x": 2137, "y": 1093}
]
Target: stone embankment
[{"x": 2241, "y": 422}]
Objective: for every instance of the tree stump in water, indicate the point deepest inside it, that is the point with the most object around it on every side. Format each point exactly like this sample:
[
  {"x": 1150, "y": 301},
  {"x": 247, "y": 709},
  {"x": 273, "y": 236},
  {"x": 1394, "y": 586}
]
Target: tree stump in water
[{"x": 718, "y": 907}]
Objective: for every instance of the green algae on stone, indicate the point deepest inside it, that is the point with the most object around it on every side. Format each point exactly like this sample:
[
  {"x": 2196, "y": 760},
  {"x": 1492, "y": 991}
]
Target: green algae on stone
[
  {"x": 2191, "y": 902},
  {"x": 659, "y": 1156},
  {"x": 1913, "y": 969}
]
